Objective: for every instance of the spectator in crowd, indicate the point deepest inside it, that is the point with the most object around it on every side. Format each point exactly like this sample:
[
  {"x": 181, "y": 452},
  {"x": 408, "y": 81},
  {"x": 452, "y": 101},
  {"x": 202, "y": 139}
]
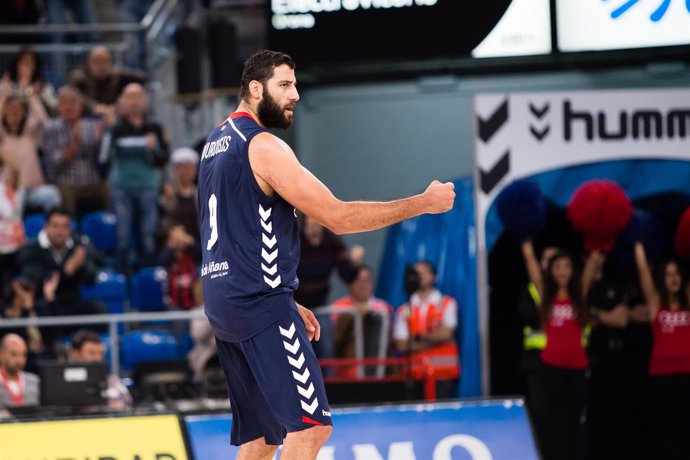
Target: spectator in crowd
[
  {"x": 666, "y": 295},
  {"x": 322, "y": 252},
  {"x": 374, "y": 313},
  {"x": 26, "y": 77},
  {"x": 87, "y": 347},
  {"x": 19, "y": 301},
  {"x": 179, "y": 227},
  {"x": 20, "y": 127},
  {"x": 534, "y": 341},
  {"x": 101, "y": 82},
  {"x": 638, "y": 349},
  {"x": 610, "y": 411},
  {"x": 178, "y": 200},
  {"x": 17, "y": 387},
  {"x": 204, "y": 340},
  {"x": 55, "y": 252},
  {"x": 135, "y": 148},
  {"x": 181, "y": 257},
  {"x": 62, "y": 12},
  {"x": 425, "y": 327},
  {"x": 70, "y": 145},
  {"x": 11, "y": 223},
  {"x": 562, "y": 291}
]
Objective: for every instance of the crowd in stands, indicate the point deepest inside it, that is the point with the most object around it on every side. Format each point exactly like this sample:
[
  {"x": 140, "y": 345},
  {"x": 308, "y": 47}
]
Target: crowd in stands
[{"x": 90, "y": 147}]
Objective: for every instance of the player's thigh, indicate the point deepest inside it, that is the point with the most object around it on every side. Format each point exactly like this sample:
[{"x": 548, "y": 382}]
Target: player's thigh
[
  {"x": 288, "y": 373},
  {"x": 251, "y": 416}
]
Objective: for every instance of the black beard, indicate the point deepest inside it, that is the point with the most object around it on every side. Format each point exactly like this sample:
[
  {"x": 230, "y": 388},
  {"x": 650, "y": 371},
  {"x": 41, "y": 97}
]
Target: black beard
[{"x": 272, "y": 115}]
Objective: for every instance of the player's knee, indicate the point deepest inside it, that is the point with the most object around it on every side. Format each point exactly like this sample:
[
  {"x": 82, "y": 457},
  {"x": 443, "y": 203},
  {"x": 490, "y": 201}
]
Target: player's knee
[{"x": 320, "y": 434}]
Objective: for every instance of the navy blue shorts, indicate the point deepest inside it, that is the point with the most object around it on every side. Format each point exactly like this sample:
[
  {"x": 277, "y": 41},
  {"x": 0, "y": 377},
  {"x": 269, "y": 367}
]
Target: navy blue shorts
[{"x": 274, "y": 383}]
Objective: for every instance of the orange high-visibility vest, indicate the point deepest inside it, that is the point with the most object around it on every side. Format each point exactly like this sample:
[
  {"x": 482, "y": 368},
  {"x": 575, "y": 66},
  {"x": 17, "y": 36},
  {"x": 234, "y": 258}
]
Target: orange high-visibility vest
[{"x": 444, "y": 357}]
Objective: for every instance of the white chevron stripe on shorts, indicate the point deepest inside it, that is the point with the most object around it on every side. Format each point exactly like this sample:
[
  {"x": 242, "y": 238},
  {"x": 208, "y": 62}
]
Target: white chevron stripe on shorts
[{"x": 300, "y": 371}]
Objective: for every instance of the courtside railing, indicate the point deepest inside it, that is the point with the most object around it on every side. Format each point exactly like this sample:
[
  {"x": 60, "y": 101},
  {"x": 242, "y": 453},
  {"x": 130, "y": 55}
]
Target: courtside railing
[{"x": 112, "y": 320}]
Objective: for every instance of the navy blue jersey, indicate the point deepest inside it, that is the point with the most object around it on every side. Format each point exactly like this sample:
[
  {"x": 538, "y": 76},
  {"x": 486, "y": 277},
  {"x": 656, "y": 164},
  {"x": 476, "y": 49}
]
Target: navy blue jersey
[{"x": 249, "y": 240}]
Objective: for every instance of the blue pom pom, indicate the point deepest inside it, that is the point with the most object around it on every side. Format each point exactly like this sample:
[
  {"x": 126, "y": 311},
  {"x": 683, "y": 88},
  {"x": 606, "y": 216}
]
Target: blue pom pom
[
  {"x": 644, "y": 227},
  {"x": 521, "y": 208}
]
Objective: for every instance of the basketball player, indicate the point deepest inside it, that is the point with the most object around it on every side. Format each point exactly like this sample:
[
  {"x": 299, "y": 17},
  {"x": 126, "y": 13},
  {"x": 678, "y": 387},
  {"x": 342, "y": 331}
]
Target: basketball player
[{"x": 250, "y": 183}]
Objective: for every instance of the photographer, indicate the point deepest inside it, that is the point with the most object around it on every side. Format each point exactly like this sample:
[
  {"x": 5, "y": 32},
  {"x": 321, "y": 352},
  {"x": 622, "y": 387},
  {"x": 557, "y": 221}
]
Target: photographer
[{"x": 425, "y": 327}]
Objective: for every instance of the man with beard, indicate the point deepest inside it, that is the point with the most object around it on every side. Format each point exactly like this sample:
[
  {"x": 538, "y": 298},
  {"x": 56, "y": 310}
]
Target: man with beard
[{"x": 250, "y": 185}]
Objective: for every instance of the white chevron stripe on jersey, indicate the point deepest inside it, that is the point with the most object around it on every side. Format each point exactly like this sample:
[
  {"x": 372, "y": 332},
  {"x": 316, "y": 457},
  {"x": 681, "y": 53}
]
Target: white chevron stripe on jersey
[
  {"x": 287, "y": 332},
  {"x": 303, "y": 377},
  {"x": 268, "y": 242},
  {"x": 310, "y": 407},
  {"x": 306, "y": 393},
  {"x": 297, "y": 362},
  {"x": 292, "y": 348},
  {"x": 265, "y": 213},
  {"x": 273, "y": 283},
  {"x": 269, "y": 258},
  {"x": 270, "y": 270}
]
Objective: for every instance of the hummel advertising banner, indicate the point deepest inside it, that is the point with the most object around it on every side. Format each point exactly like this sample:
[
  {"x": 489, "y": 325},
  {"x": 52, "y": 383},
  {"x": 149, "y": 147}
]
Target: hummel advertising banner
[
  {"x": 639, "y": 138},
  {"x": 518, "y": 135}
]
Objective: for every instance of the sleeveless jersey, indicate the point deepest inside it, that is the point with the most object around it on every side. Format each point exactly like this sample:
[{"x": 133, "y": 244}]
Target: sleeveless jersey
[
  {"x": 249, "y": 240},
  {"x": 564, "y": 346},
  {"x": 671, "y": 350}
]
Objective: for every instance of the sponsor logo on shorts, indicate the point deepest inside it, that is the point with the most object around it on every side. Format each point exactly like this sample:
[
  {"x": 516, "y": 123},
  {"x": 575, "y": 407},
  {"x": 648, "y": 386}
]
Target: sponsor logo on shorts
[{"x": 325, "y": 413}]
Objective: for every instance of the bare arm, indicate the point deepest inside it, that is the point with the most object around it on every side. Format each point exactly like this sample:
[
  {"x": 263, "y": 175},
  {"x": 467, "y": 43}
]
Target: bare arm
[
  {"x": 12, "y": 170},
  {"x": 277, "y": 170},
  {"x": 617, "y": 317},
  {"x": 595, "y": 262},
  {"x": 532, "y": 266},
  {"x": 646, "y": 281}
]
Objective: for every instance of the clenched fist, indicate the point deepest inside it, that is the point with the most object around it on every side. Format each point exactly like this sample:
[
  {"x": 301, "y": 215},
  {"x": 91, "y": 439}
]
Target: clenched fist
[{"x": 440, "y": 197}]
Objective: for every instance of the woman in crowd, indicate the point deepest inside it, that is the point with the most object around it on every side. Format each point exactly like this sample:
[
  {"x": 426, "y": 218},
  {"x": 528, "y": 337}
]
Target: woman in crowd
[
  {"x": 25, "y": 75},
  {"x": 21, "y": 121},
  {"x": 563, "y": 312},
  {"x": 666, "y": 295}
]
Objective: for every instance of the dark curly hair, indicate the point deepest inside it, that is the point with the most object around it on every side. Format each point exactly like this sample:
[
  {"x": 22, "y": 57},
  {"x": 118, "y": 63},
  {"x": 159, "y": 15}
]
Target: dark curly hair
[{"x": 259, "y": 66}]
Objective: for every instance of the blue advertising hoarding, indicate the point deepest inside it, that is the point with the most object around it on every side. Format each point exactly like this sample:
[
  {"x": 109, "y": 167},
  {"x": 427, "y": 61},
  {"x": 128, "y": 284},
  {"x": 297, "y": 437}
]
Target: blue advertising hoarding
[{"x": 468, "y": 430}]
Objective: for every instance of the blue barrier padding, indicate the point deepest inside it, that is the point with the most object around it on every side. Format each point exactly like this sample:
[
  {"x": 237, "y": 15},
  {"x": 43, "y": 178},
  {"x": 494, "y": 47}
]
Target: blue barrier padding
[{"x": 472, "y": 430}]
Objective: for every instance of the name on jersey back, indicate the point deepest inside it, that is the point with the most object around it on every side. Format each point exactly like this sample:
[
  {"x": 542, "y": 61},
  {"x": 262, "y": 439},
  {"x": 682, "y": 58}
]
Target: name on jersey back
[{"x": 212, "y": 149}]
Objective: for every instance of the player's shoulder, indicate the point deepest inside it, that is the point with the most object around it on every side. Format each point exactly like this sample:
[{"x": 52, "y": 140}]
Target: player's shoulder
[{"x": 268, "y": 143}]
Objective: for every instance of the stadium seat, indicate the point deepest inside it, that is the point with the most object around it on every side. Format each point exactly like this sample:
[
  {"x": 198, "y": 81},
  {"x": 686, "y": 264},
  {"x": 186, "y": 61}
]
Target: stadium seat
[
  {"x": 33, "y": 223},
  {"x": 145, "y": 345},
  {"x": 100, "y": 227},
  {"x": 111, "y": 288},
  {"x": 148, "y": 287}
]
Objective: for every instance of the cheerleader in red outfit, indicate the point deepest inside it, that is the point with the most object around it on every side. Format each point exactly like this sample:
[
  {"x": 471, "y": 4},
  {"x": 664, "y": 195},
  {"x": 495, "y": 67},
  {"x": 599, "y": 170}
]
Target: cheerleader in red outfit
[
  {"x": 669, "y": 367},
  {"x": 563, "y": 312}
]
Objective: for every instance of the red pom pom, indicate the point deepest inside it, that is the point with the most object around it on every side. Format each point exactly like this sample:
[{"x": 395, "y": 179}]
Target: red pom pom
[
  {"x": 599, "y": 210},
  {"x": 682, "y": 240}
]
